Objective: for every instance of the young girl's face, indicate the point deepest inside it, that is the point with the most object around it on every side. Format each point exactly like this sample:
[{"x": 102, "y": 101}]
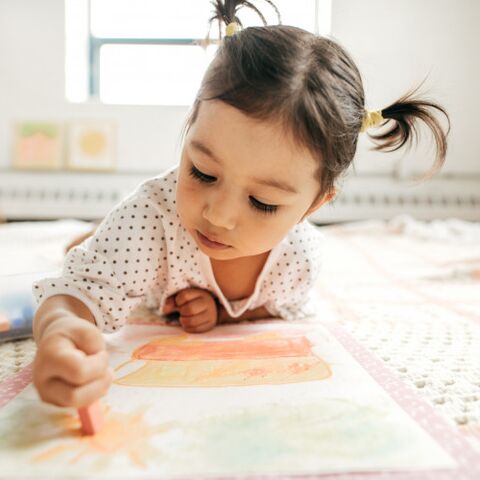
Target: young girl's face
[{"x": 242, "y": 183}]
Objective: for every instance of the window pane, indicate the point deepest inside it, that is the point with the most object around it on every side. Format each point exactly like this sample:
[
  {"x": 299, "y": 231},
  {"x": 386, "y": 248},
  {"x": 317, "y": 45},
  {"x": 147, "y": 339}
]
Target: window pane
[
  {"x": 152, "y": 74},
  {"x": 150, "y": 18},
  {"x": 185, "y": 18},
  {"x": 170, "y": 75}
]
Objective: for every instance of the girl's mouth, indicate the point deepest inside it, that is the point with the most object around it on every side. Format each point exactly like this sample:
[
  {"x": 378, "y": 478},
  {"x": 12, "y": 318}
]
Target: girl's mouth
[{"x": 210, "y": 243}]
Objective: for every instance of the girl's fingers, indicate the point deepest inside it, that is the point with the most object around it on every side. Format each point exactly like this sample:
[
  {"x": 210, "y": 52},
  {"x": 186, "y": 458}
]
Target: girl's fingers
[
  {"x": 189, "y": 294},
  {"x": 193, "y": 307},
  {"x": 169, "y": 306},
  {"x": 87, "y": 337},
  {"x": 196, "y": 321},
  {"x": 63, "y": 394},
  {"x": 202, "y": 327},
  {"x": 59, "y": 358},
  {"x": 77, "y": 368}
]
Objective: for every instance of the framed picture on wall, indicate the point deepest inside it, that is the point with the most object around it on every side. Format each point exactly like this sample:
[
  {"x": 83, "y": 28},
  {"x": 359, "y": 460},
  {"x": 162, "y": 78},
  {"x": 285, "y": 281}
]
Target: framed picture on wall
[
  {"x": 91, "y": 145},
  {"x": 38, "y": 146}
]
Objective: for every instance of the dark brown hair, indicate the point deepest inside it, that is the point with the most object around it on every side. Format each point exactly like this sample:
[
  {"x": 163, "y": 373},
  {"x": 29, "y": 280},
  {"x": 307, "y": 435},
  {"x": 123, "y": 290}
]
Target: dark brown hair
[{"x": 311, "y": 85}]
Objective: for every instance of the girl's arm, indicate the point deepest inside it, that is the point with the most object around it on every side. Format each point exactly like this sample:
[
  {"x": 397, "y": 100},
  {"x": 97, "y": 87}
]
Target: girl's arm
[
  {"x": 255, "y": 314},
  {"x": 56, "y": 307}
]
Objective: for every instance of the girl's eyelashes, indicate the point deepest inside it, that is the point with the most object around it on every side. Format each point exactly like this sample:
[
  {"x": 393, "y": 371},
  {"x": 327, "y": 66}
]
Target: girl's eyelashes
[
  {"x": 263, "y": 207},
  {"x": 256, "y": 204},
  {"x": 196, "y": 173}
]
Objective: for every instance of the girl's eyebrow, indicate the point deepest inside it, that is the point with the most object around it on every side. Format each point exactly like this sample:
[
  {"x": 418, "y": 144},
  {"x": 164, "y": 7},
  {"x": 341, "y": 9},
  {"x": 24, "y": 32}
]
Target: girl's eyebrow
[
  {"x": 269, "y": 182},
  {"x": 204, "y": 149}
]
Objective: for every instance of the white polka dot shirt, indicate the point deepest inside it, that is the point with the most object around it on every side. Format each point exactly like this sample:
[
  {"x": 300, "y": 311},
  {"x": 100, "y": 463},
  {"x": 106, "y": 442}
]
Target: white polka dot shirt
[{"x": 141, "y": 252}]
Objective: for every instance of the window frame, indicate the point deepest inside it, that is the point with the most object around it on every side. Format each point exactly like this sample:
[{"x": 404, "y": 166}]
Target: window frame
[{"x": 95, "y": 43}]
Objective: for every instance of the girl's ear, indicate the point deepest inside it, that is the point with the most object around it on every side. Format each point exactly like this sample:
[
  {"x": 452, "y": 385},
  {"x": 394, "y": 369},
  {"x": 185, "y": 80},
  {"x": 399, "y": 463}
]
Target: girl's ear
[{"x": 320, "y": 200}]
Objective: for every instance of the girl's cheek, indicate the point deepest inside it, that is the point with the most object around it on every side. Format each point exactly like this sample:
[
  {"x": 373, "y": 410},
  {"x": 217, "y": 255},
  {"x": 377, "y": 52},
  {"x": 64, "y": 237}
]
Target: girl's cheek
[
  {"x": 193, "y": 193},
  {"x": 186, "y": 185},
  {"x": 189, "y": 199}
]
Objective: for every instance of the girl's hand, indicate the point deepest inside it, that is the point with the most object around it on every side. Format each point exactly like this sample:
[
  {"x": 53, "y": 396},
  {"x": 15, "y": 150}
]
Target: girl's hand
[
  {"x": 197, "y": 308},
  {"x": 71, "y": 365}
]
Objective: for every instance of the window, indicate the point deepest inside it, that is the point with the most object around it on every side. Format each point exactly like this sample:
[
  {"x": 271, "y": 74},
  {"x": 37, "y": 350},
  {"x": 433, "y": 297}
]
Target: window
[{"x": 149, "y": 52}]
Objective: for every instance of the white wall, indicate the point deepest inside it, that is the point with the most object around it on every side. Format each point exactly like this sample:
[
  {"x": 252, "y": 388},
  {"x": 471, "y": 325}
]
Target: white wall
[
  {"x": 396, "y": 44},
  {"x": 32, "y": 87}
]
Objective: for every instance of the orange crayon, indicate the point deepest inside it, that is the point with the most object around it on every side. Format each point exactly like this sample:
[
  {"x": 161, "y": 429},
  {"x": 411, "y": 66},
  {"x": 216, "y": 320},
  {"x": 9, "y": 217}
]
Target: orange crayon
[{"x": 92, "y": 418}]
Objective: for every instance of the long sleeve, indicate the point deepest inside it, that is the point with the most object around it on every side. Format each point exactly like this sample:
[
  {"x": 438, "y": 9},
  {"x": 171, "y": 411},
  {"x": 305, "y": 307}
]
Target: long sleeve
[
  {"x": 111, "y": 271},
  {"x": 290, "y": 292}
]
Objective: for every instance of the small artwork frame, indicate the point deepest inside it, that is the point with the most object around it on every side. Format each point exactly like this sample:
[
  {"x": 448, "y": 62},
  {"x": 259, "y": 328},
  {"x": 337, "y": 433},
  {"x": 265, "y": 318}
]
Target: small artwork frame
[
  {"x": 91, "y": 145},
  {"x": 38, "y": 145}
]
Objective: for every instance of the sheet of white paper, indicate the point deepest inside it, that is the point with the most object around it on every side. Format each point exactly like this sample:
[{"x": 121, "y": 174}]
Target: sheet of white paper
[{"x": 265, "y": 398}]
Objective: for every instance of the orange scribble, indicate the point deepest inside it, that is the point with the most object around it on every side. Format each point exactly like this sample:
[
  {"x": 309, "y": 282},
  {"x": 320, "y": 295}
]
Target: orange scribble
[
  {"x": 183, "y": 347},
  {"x": 122, "y": 433},
  {"x": 190, "y": 361}
]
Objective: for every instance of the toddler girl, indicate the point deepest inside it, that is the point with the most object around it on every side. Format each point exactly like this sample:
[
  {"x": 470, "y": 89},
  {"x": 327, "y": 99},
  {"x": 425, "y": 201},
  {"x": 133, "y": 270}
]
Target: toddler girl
[{"x": 223, "y": 235}]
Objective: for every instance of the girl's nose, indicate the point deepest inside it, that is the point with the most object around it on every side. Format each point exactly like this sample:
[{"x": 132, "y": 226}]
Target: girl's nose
[{"x": 220, "y": 211}]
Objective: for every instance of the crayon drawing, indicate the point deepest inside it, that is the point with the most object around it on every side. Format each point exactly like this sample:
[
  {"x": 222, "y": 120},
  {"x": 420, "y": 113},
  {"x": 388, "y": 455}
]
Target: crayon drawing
[
  {"x": 38, "y": 146},
  {"x": 270, "y": 398},
  {"x": 186, "y": 360},
  {"x": 91, "y": 145}
]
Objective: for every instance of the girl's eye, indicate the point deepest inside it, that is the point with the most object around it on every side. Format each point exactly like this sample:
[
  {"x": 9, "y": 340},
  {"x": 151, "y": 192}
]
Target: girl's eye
[
  {"x": 257, "y": 205},
  {"x": 202, "y": 177},
  {"x": 263, "y": 207}
]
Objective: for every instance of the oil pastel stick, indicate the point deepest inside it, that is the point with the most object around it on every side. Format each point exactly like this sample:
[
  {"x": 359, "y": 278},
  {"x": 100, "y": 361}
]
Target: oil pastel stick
[{"x": 92, "y": 418}]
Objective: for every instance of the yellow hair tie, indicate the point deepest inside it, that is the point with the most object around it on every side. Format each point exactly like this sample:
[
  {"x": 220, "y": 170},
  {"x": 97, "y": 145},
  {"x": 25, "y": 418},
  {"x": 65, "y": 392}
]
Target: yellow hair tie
[
  {"x": 371, "y": 119},
  {"x": 232, "y": 29}
]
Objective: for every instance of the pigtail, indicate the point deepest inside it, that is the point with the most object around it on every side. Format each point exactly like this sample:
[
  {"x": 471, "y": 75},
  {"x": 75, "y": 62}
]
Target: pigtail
[
  {"x": 226, "y": 11},
  {"x": 400, "y": 119}
]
